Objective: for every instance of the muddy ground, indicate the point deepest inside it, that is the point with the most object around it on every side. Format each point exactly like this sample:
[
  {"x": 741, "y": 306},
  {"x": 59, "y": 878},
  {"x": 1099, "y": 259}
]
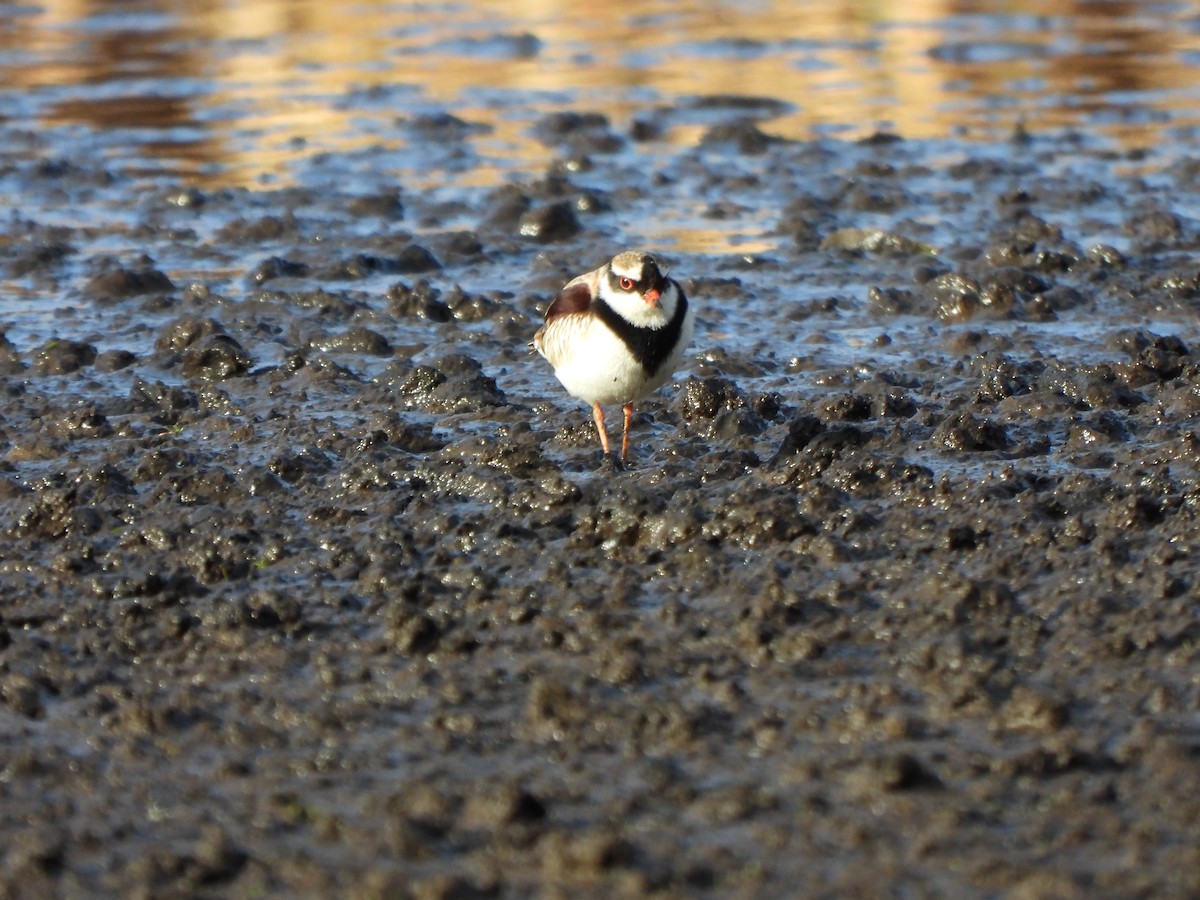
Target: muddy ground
[{"x": 313, "y": 582}]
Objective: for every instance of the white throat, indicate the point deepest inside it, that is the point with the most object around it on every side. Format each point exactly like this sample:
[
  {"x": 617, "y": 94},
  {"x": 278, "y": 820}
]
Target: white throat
[{"x": 630, "y": 306}]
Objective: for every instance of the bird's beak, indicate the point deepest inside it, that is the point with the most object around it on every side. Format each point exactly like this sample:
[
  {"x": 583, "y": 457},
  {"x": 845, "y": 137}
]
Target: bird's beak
[{"x": 651, "y": 297}]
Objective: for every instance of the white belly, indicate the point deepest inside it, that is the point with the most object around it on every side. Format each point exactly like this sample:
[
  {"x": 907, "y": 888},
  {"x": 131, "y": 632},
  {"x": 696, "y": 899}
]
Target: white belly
[{"x": 598, "y": 368}]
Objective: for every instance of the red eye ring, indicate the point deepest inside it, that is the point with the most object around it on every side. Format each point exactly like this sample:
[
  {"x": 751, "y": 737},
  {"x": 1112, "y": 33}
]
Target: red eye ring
[{"x": 626, "y": 283}]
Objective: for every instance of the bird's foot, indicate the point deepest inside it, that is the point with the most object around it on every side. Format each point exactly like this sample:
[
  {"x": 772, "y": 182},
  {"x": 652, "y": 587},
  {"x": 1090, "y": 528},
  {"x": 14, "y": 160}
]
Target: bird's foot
[{"x": 610, "y": 462}]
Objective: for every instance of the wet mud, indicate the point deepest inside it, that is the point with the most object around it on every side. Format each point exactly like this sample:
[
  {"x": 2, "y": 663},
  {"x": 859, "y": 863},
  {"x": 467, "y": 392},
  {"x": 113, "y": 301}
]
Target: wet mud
[{"x": 314, "y": 582}]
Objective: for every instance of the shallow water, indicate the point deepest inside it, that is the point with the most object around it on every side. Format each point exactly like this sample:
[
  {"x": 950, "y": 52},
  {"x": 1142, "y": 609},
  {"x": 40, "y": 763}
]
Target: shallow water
[{"x": 240, "y": 93}]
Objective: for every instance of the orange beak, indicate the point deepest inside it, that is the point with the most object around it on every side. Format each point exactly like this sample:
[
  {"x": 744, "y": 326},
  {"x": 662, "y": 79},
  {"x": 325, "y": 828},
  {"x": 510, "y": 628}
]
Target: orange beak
[{"x": 651, "y": 296}]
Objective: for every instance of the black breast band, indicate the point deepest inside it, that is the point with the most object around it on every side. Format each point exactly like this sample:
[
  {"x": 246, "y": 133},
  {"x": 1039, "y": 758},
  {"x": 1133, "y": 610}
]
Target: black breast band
[{"x": 650, "y": 346}]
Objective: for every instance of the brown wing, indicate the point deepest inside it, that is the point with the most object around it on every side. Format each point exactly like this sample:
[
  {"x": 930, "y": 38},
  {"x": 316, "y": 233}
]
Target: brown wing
[
  {"x": 576, "y": 297},
  {"x": 557, "y": 340},
  {"x": 568, "y": 306}
]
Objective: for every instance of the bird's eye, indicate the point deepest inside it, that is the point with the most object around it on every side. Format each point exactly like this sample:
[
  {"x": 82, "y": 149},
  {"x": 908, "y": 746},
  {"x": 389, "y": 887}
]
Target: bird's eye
[{"x": 626, "y": 283}]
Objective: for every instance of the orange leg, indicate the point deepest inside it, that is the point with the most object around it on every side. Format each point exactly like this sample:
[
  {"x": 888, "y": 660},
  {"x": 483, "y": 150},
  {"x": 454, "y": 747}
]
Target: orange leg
[
  {"x": 625, "y": 439},
  {"x": 598, "y": 417}
]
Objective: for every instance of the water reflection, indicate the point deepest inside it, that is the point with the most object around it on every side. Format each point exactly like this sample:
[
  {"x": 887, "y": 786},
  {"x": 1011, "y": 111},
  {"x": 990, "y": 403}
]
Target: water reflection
[{"x": 236, "y": 91}]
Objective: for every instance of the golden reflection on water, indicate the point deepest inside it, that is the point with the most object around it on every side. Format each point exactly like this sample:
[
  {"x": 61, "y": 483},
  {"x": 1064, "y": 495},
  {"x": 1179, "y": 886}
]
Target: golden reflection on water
[{"x": 257, "y": 84}]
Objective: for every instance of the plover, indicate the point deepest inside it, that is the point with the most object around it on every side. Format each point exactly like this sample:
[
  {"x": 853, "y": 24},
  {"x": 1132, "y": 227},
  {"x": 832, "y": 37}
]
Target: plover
[{"x": 616, "y": 334}]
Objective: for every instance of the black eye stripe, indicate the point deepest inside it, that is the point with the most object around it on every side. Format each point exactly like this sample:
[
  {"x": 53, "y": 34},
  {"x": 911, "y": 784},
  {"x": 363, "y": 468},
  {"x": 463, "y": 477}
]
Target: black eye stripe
[{"x": 652, "y": 276}]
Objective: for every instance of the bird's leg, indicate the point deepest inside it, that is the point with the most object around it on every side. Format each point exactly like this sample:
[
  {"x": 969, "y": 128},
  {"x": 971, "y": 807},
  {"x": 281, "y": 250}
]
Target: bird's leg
[
  {"x": 625, "y": 439},
  {"x": 598, "y": 416}
]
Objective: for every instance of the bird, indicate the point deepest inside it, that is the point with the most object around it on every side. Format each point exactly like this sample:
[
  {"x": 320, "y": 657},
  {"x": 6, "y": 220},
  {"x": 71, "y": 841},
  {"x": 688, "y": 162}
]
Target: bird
[{"x": 616, "y": 334}]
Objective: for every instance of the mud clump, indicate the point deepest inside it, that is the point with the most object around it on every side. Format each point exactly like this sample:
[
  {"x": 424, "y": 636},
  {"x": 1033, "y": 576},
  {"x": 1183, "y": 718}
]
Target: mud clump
[
  {"x": 215, "y": 358},
  {"x": 550, "y": 223},
  {"x": 118, "y": 282},
  {"x": 314, "y": 580},
  {"x": 578, "y": 132},
  {"x": 971, "y": 434},
  {"x": 742, "y": 135},
  {"x": 61, "y": 357}
]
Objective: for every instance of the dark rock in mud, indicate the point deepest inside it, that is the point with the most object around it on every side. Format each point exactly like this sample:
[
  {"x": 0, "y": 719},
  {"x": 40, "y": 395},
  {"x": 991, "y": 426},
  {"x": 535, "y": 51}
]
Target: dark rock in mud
[
  {"x": 81, "y": 423},
  {"x": 154, "y": 396},
  {"x": 114, "y": 360},
  {"x": 848, "y": 408},
  {"x": 1018, "y": 282},
  {"x": 454, "y": 383},
  {"x": 261, "y": 230},
  {"x": 358, "y": 340},
  {"x": 462, "y": 367},
  {"x": 804, "y": 218},
  {"x": 474, "y": 307},
  {"x": 869, "y": 196},
  {"x": 61, "y": 357},
  {"x": 927, "y": 270},
  {"x": 409, "y": 260},
  {"x": 894, "y": 772},
  {"x": 1035, "y": 244},
  {"x": 1060, "y": 298},
  {"x": 23, "y": 695},
  {"x": 705, "y": 398},
  {"x": 420, "y": 383},
  {"x": 718, "y": 409},
  {"x": 444, "y": 126},
  {"x": 742, "y": 135},
  {"x": 1105, "y": 427},
  {"x": 767, "y": 404},
  {"x": 422, "y": 299},
  {"x": 10, "y": 359},
  {"x": 874, "y": 240},
  {"x": 1000, "y": 377},
  {"x": 412, "y": 437},
  {"x": 501, "y": 805},
  {"x": 57, "y": 169},
  {"x": 801, "y": 432},
  {"x": 550, "y": 223},
  {"x": 414, "y": 258},
  {"x": 832, "y": 442},
  {"x": 117, "y": 282},
  {"x": 182, "y": 333},
  {"x": 971, "y": 434},
  {"x": 386, "y": 205},
  {"x": 744, "y": 104},
  {"x": 1163, "y": 356},
  {"x": 185, "y": 198},
  {"x": 881, "y": 139},
  {"x": 1136, "y": 342},
  {"x": 1107, "y": 256},
  {"x": 643, "y": 130},
  {"x": 955, "y": 298},
  {"x": 726, "y": 288},
  {"x": 582, "y": 132},
  {"x": 456, "y": 247},
  {"x": 215, "y": 358},
  {"x": 505, "y": 207},
  {"x": 277, "y": 267},
  {"x": 37, "y": 256},
  {"x": 307, "y": 461},
  {"x": 998, "y": 298},
  {"x": 1157, "y": 229},
  {"x": 1032, "y": 710},
  {"x": 891, "y": 301},
  {"x": 518, "y": 45},
  {"x": 894, "y": 402}
]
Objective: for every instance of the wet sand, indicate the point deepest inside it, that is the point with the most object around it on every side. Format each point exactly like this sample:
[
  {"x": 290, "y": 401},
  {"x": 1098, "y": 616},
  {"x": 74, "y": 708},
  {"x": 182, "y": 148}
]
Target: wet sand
[{"x": 314, "y": 583}]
